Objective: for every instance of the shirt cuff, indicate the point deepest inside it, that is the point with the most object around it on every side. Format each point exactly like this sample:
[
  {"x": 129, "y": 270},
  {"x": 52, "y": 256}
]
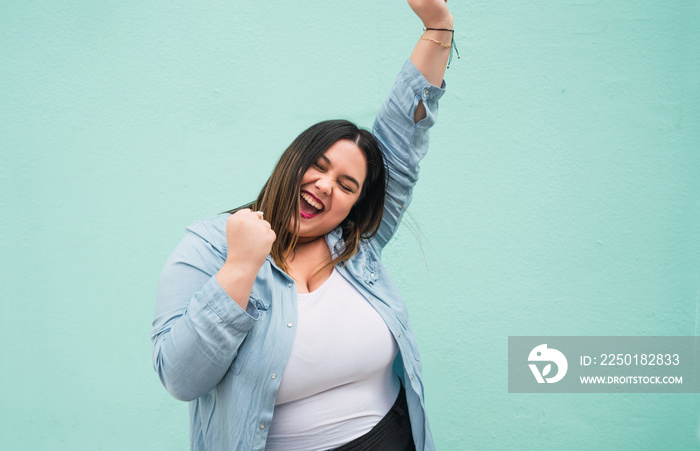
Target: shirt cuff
[
  {"x": 419, "y": 85},
  {"x": 213, "y": 300}
]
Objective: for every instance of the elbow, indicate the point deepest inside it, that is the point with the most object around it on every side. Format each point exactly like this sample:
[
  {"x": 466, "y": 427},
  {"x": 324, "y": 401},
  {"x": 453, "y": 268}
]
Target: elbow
[
  {"x": 181, "y": 393},
  {"x": 178, "y": 389},
  {"x": 175, "y": 382}
]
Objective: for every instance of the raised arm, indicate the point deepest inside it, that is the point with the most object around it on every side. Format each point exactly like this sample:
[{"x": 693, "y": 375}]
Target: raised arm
[{"x": 401, "y": 126}]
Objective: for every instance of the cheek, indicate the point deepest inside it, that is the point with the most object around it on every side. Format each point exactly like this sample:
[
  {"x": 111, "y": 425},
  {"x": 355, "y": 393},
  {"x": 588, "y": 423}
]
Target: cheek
[
  {"x": 349, "y": 203},
  {"x": 307, "y": 176}
]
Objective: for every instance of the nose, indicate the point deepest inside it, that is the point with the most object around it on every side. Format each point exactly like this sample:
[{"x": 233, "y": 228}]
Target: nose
[{"x": 324, "y": 184}]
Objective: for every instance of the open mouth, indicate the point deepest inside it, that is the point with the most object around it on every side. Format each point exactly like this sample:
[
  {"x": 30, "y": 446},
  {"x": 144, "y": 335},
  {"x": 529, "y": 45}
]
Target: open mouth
[{"x": 310, "y": 206}]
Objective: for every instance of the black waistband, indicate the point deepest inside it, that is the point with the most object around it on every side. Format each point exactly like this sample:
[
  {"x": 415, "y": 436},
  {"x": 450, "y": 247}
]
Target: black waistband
[{"x": 392, "y": 433}]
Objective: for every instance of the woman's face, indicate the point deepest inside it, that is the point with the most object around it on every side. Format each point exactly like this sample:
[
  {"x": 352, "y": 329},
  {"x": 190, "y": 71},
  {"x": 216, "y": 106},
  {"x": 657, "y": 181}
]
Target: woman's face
[{"x": 330, "y": 188}]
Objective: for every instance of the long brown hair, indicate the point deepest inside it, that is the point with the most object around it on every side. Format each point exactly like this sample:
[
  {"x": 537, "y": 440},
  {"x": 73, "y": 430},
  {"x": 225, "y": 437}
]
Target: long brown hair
[{"x": 279, "y": 197}]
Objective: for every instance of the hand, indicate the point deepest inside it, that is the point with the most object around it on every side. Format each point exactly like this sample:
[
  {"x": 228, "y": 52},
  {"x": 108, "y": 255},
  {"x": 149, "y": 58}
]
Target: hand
[
  {"x": 433, "y": 13},
  {"x": 249, "y": 239}
]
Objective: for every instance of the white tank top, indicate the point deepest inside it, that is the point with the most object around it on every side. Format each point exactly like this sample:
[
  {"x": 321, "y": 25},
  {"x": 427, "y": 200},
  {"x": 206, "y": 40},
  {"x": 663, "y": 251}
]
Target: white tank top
[{"x": 338, "y": 382}]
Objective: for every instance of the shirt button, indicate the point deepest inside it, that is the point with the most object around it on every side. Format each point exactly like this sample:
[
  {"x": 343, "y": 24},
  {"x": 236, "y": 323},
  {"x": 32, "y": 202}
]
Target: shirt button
[
  {"x": 274, "y": 376},
  {"x": 399, "y": 335},
  {"x": 289, "y": 324},
  {"x": 290, "y": 285},
  {"x": 372, "y": 275},
  {"x": 426, "y": 92},
  {"x": 370, "y": 298},
  {"x": 262, "y": 426}
]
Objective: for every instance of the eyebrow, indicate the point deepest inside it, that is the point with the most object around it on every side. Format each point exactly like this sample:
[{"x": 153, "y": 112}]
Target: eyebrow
[{"x": 351, "y": 179}]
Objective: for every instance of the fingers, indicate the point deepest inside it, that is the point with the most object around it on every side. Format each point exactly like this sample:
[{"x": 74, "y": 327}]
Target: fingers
[
  {"x": 247, "y": 213},
  {"x": 249, "y": 239}
]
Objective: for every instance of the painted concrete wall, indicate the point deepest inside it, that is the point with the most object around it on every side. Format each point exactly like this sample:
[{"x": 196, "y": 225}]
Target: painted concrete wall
[{"x": 560, "y": 197}]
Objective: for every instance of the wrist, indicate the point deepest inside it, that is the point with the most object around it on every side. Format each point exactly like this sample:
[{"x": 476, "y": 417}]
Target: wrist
[
  {"x": 444, "y": 22},
  {"x": 238, "y": 269},
  {"x": 439, "y": 34},
  {"x": 237, "y": 281}
]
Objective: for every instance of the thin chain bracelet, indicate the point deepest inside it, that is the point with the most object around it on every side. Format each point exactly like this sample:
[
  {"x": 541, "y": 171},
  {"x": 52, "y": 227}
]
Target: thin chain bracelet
[{"x": 442, "y": 44}]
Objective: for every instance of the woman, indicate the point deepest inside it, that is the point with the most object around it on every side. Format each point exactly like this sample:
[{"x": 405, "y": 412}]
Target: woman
[{"x": 281, "y": 326}]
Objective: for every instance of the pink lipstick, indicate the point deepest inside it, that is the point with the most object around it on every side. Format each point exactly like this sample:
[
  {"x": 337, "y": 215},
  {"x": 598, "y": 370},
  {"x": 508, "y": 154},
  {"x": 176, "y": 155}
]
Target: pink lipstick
[{"x": 310, "y": 205}]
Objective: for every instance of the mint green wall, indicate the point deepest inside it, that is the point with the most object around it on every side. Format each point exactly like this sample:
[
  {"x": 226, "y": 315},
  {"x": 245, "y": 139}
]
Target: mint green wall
[{"x": 560, "y": 197}]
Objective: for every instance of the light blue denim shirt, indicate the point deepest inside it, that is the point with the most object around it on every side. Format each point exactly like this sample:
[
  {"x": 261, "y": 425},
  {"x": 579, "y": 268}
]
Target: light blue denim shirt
[{"x": 228, "y": 362}]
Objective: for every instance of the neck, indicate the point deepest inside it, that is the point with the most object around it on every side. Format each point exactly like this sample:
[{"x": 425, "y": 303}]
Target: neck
[
  {"x": 312, "y": 249},
  {"x": 302, "y": 240},
  {"x": 308, "y": 260}
]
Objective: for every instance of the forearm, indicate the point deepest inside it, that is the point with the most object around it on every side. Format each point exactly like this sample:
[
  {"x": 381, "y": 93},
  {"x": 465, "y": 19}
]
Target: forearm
[
  {"x": 237, "y": 281},
  {"x": 431, "y": 53},
  {"x": 430, "y": 57}
]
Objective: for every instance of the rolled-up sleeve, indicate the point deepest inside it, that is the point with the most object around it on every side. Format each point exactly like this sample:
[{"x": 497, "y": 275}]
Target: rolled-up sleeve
[{"x": 403, "y": 142}]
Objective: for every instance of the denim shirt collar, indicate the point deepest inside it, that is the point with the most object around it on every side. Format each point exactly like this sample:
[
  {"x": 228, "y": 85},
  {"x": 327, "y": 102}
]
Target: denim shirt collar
[{"x": 334, "y": 240}]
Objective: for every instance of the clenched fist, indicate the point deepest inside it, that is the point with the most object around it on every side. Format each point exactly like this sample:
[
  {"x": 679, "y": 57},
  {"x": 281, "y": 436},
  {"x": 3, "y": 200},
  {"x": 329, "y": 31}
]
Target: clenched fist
[{"x": 249, "y": 239}]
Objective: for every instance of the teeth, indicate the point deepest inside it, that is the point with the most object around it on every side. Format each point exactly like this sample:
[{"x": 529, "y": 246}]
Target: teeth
[{"x": 311, "y": 201}]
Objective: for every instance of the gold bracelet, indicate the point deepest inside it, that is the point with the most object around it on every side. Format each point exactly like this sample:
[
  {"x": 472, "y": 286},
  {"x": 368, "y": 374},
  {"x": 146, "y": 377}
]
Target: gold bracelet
[{"x": 440, "y": 43}]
